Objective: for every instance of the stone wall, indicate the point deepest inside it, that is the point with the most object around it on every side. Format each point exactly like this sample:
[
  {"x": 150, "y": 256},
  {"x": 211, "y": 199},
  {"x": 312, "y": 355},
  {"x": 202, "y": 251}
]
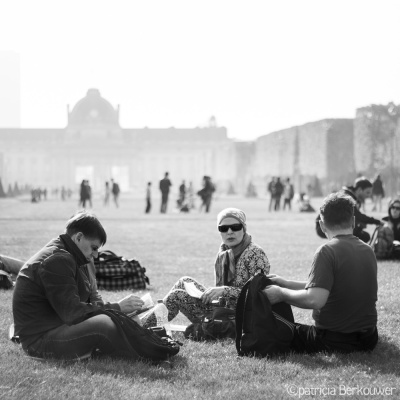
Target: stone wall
[
  {"x": 377, "y": 143},
  {"x": 315, "y": 155}
]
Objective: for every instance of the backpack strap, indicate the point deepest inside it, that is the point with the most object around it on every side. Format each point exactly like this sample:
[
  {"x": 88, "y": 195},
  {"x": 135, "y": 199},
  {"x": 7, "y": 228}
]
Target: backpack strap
[{"x": 240, "y": 313}]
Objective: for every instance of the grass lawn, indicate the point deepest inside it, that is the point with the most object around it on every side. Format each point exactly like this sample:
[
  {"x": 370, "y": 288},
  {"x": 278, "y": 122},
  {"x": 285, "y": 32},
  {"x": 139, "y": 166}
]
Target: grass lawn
[{"x": 170, "y": 246}]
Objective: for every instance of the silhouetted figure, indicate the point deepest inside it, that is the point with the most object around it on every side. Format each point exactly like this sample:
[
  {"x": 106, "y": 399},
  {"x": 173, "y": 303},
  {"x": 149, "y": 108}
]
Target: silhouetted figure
[
  {"x": 182, "y": 194},
  {"x": 148, "y": 198},
  {"x": 63, "y": 193},
  {"x": 288, "y": 193},
  {"x": 190, "y": 193},
  {"x": 115, "y": 190},
  {"x": 165, "y": 184},
  {"x": 251, "y": 190},
  {"x": 378, "y": 193},
  {"x": 271, "y": 191},
  {"x": 85, "y": 194},
  {"x": 106, "y": 193},
  {"x": 206, "y": 193},
  {"x": 278, "y": 193}
]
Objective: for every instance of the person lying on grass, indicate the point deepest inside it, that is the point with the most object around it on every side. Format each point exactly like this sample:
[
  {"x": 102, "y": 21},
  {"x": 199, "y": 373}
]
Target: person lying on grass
[
  {"x": 341, "y": 288},
  {"x": 238, "y": 260},
  {"x": 52, "y": 299}
]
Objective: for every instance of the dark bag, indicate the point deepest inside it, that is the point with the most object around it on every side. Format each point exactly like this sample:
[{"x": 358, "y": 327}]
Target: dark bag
[
  {"x": 118, "y": 273},
  {"x": 142, "y": 343},
  {"x": 217, "y": 323},
  {"x": 383, "y": 243},
  {"x": 261, "y": 329},
  {"x": 5, "y": 280}
]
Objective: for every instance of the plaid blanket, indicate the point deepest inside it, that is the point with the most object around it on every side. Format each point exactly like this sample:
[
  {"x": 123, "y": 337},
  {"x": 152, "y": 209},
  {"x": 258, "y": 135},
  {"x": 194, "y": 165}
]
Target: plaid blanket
[{"x": 118, "y": 273}]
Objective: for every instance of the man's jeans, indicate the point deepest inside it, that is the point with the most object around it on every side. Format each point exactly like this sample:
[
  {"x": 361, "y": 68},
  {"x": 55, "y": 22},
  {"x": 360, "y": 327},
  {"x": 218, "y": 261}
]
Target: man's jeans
[
  {"x": 75, "y": 341},
  {"x": 10, "y": 265}
]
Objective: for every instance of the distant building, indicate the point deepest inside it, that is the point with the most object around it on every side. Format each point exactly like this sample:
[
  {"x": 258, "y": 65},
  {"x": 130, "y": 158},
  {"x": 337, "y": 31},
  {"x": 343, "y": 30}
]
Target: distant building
[{"x": 93, "y": 146}]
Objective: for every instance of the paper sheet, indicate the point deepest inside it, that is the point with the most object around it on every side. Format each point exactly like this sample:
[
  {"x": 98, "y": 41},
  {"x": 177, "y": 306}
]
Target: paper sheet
[{"x": 192, "y": 290}]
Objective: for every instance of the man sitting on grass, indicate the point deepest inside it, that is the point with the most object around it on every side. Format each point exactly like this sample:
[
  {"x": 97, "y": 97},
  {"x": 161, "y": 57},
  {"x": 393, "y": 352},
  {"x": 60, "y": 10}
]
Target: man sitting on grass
[
  {"x": 341, "y": 288},
  {"x": 52, "y": 300}
]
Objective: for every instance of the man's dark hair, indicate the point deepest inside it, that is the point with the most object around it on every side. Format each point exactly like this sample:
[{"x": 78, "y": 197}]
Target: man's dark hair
[
  {"x": 362, "y": 183},
  {"x": 337, "y": 211},
  {"x": 88, "y": 224}
]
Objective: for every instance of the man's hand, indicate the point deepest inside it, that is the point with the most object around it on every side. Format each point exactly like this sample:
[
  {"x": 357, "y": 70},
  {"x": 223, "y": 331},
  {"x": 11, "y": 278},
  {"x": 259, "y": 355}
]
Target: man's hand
[
  {"x": 274, "y": 294},
  {"x": 130, "y": 303},
  {"x": 211, "y": 294},
  {"x": 277, "y": 280}
]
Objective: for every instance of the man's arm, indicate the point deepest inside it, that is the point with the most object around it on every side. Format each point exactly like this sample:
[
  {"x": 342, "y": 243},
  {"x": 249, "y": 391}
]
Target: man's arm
[
  {"x": 313, "y": 298},
  {"x": 285, "y": 283},
  {"x": 364, "y": 219}
]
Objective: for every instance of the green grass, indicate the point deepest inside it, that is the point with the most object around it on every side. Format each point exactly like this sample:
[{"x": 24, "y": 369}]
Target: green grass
[{"x": 170, "y": 246}]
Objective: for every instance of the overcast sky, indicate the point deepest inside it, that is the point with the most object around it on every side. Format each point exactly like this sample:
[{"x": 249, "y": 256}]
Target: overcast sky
[{"x": 258, "y": 66}]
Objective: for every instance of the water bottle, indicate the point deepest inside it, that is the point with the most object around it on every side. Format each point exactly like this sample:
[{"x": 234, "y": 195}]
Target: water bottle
[{"x": 161, "y": 313}]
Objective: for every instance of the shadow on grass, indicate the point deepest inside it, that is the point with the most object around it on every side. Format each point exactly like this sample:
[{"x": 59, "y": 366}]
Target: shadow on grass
[
  {"x": 126, "y": 368},
  {"x": 383, "y": 360}
]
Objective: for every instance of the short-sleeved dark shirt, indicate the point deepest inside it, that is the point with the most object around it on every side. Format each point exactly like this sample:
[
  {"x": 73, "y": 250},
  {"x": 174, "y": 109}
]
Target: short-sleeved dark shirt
[{"x": 346, "y": 267}]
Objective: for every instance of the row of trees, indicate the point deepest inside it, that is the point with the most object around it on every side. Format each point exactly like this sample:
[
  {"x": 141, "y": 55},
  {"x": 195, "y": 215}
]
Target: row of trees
[{"x": 13, "y": 190}]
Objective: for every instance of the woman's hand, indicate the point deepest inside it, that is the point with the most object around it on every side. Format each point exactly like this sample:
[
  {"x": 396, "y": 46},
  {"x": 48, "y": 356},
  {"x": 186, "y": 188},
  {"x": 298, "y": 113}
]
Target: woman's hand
[
  {"x": 130, "y": 303},
  {"x": 211, "y": 294}
]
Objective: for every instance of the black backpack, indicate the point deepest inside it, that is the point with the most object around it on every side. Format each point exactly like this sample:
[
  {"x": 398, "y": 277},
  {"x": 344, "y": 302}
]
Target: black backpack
[
  {"x": 262, "y": 329},
  {"x": 142, "y": 343}
]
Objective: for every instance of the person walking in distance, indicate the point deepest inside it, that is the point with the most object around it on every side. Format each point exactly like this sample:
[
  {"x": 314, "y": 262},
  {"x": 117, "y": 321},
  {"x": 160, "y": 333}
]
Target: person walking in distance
[
  {"x": 288, "y": 193},
  {"x": 148, "y": 198},
  {"x": 115, "y": 192},
  {"x": 107, "y": 194},
  {"x": 378, "y": 193},
  {"x": 271, "y": 191},
  {"x": 278, "y": 193},
  {"x": 165, "y": 184}
]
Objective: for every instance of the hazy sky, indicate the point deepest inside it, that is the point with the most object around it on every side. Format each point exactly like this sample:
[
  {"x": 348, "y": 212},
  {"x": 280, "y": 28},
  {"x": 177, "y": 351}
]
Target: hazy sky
[{"x": 258, "y": 66}]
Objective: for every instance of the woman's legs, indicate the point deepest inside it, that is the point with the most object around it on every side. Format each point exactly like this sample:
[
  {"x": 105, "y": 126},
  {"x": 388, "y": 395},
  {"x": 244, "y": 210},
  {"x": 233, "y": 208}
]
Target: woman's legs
[
  {"x": 177, "y": 299},
  {"x": 70, "y": 342},
  {"x": 10, "y": 265}
]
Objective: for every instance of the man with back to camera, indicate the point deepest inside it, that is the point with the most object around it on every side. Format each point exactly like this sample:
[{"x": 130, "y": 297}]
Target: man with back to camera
[
  {"x": 341, "y": 288},
  {"x": 54, "y": 298}
]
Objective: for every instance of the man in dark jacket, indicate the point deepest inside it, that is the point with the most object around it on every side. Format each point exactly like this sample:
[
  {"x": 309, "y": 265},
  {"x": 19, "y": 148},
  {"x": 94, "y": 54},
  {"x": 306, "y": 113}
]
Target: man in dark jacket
[
  {"x": 361, "y": 190},
  {"x": 165, "y": 184},
  {"x": 52, "y": 305}
]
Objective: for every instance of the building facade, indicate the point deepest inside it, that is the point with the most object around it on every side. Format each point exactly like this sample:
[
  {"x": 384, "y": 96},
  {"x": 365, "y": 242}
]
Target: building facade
[{"x": 318, "y": 156}]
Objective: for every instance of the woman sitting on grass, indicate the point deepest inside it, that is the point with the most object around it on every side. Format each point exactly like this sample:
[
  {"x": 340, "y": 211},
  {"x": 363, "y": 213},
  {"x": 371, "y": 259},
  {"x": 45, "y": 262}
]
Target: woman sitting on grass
[
  {"x": 238, "y": 260},
  {"x": 387, "y": 244}
]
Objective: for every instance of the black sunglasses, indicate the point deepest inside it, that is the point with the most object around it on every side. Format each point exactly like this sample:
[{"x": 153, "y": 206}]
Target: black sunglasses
[
  {"x": 395, "y": 208},
  {"x": 234, "y": 228}
]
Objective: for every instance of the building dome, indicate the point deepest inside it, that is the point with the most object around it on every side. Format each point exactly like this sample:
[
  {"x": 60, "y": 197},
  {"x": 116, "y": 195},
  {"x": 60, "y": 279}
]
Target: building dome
[{"x": 93, "y": 110}]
